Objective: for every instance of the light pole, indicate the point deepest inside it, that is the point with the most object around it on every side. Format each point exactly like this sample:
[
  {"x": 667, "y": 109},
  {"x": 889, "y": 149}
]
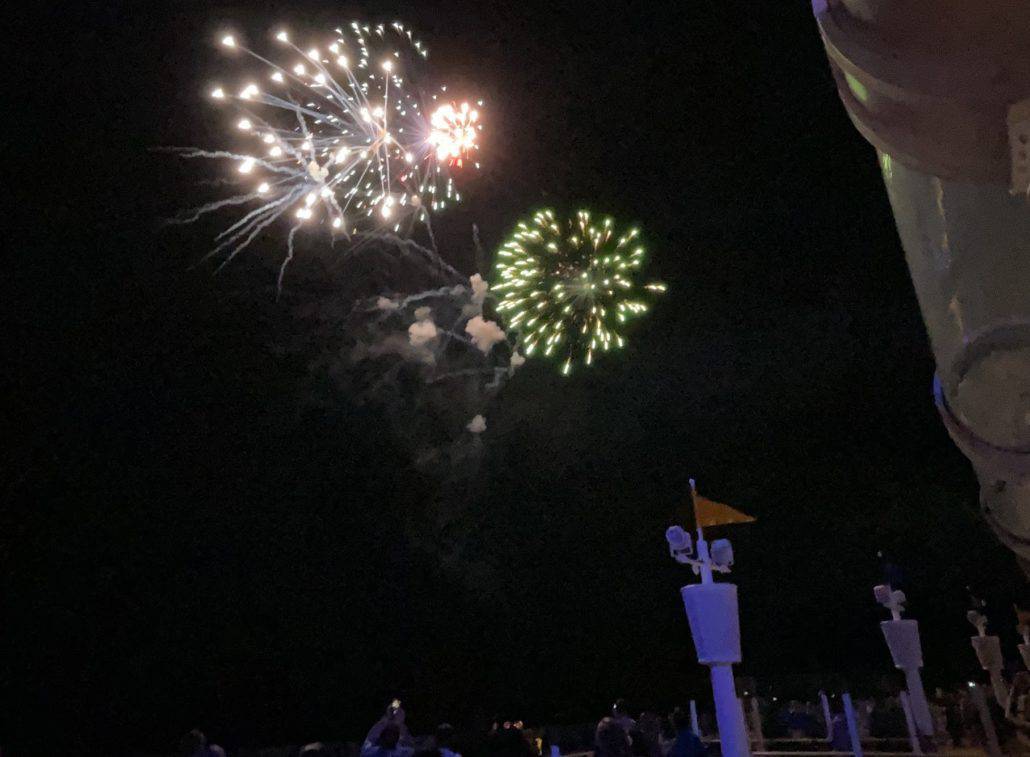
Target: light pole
[
  {"x": 713, "y": 614},
  {"x": 1024, "y": 648},
  {"x": 902, "y": 636},
  {"x": 941, "y": 89},
  {"x": 988, "y": 653}
]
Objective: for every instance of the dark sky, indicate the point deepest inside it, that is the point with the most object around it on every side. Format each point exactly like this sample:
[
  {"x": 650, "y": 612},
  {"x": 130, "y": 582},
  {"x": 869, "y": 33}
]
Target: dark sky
[{"x": 183, "y": 542}]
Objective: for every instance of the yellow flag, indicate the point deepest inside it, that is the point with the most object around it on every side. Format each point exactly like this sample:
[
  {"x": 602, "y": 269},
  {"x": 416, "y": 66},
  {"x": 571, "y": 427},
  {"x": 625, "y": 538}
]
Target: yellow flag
[{"x": 710, "y": 513}]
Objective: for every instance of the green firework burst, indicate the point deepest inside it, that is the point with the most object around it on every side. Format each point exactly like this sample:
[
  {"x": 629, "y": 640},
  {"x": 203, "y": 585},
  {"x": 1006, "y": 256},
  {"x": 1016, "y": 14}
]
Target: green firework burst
[{"x": 569, "y": 287}]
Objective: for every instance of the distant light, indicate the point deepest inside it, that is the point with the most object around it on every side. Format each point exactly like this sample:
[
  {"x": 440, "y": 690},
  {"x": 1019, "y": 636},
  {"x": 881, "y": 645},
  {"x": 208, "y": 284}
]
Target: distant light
[
  {"x": 249, "y": 91},
  {"x": 337, "y": 223},
  {"x": 282, "y": 36},
  {"x": 263, "y": 187},
  {"x": 229, "y": 41},
  {"x": 218, "y": 93},
  {"x": 276, "y": 151},
  {"x": 277, "y": 76},
  {"x": 342, "y": 61},
  {"x": 313, "y": 53},
  {"x": 303, "y": 213},
  {"x": 244, "y": 124},
  {"x": 388, "y": 65},
  {"x": 246, "y": 166}
]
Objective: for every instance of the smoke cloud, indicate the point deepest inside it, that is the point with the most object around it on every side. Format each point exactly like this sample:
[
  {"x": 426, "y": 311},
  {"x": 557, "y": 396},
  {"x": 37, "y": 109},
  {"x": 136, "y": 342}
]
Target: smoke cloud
[{"x": 485, "y": 334}]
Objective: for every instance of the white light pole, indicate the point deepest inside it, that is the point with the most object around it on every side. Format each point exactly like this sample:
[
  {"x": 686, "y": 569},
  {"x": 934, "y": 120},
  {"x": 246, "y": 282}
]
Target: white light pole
[
  {"x": 910, "y": 724},
  {"x": 988, "y": 653},
  {"x": 1024, "y": 648},
  {"x": 986, "y": 721},
  {"x": 827, "y": 715},
  {"x": 849, "y": 718},
  {"x": 713, "y": 613},
  {"x": 903, "y": 641}
]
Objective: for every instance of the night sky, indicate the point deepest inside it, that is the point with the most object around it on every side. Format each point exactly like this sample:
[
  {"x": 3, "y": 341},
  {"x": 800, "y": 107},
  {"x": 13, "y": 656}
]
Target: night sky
[{"x": 186, "y": 541}]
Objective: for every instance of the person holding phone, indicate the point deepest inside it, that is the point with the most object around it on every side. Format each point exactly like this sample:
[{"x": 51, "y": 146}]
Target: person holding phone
[{"x": 389, "y": 737}]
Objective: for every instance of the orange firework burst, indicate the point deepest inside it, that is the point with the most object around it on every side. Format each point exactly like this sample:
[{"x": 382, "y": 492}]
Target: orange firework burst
[{"x": 454, "y": 132}]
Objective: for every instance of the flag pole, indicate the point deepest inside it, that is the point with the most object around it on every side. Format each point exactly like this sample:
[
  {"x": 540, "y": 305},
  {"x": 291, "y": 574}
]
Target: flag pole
[
  {"x": 713, "y": 614},
  {"x": 702, "y": 546}
]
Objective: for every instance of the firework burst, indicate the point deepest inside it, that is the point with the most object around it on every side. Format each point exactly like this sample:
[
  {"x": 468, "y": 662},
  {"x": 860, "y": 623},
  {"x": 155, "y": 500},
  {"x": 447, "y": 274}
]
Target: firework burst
[
  {"x": 339, "y": 135},
  {"x": 454, "y": 134},
  {"x": 568, "y": 287}
]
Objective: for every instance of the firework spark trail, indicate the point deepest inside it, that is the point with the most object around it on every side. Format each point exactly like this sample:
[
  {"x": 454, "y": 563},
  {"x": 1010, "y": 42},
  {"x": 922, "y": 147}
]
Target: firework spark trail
[
  {"x": 350, "y": 142},
  {"x": 286, "y": 261},
  {"x": 196, "y": 152},
  {"x": 412, "y": 299},
  {"x": 254, "y": 222},
  {"x": 258, "y": 228},
  {"x": 497, "y": 374},
  {"x": 246, "y": 221},
  {"x": 569, "y": 285},
  {"x": 195, "y": 214},
  {"x": 429, "y": 231},
  {"x": 413, "y": 251}
]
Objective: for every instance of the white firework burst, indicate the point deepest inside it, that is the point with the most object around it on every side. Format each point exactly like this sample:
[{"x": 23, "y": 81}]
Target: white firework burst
[{"x": 340, "y": 136}]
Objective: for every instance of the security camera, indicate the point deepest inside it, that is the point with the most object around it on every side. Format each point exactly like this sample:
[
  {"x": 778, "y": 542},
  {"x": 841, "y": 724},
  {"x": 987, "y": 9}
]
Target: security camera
[
  {"x": 722, "y": 554},
  {"x": 894, "y": 600},
  {"x": 979, "y": 621},
  {"x": 681, "y": 546},
  {"x": 886, "y": 597}
]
